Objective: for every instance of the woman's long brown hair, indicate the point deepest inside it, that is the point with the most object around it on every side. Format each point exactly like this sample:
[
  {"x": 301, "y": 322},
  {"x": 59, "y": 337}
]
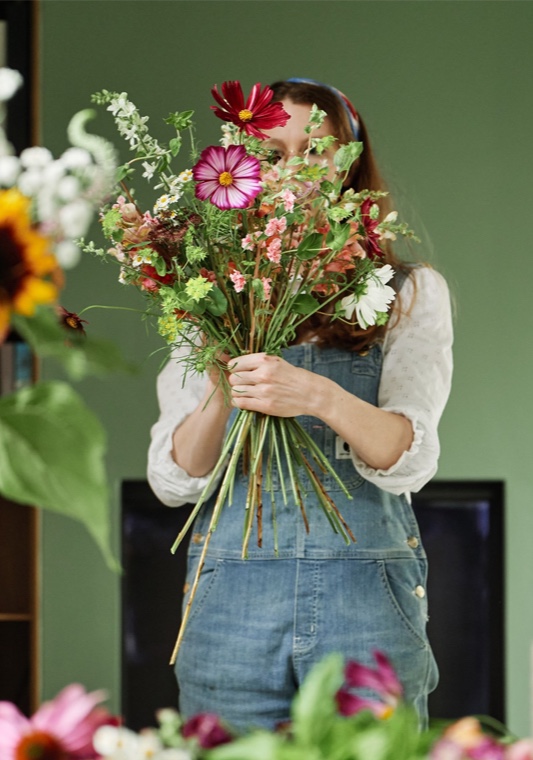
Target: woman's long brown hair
[{"x": 365, "y": 175}]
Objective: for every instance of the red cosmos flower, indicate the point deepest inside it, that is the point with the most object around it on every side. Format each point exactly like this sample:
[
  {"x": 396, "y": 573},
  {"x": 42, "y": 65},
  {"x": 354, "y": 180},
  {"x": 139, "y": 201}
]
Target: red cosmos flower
[
  {"x": 372, "y": 238},
  {"x": 256, "y": 114}
]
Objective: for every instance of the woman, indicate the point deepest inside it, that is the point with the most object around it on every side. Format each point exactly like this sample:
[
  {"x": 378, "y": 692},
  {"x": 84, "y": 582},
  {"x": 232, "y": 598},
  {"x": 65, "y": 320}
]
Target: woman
[{"x": 372, "y": 400}]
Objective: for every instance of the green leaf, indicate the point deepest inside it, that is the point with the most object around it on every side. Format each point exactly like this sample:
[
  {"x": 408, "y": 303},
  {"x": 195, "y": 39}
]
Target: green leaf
[
  {"x": 314, "y": 708},
  {"x": 338, "y": 235},
  {"x": 52, "y": 451},
  {"x": 260, "y": 745},
  {"x": 123, "y": 172},
  {"x": 216, "y": 302},
  {"x": 305, "y": 304},
  {"x": 310, "y": 246},
  {"x": 346, "y": 155},
  {"x": 175, "y": 145},
  {"x": 180, "y": 120},
  {"x": 80, "y": 355}
]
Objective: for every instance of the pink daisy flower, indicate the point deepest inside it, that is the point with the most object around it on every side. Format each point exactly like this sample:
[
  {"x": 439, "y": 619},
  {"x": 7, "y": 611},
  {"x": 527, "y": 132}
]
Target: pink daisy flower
[
  {"x": 61, "y": 729},
  {"x": 276, "y": 226},
  {"x": 274, "y": 250},
  {"x": 253, "y": 115},
  {"x": 228, "y": 177}
]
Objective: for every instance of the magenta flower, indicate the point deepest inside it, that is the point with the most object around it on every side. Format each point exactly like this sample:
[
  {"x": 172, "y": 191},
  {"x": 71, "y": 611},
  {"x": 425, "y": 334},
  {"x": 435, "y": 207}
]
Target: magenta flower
[
  {"x": 257, "y": 113},
  {"x": 61, "y": 729},
  {"x": 208, "y": 729},
  {"x": 383, "y": 680},
  {"x": 228, "y": 177}
]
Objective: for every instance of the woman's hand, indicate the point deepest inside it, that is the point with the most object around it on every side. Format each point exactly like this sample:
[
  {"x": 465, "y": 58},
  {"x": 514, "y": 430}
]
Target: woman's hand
[{"x": 270, "y": 385}]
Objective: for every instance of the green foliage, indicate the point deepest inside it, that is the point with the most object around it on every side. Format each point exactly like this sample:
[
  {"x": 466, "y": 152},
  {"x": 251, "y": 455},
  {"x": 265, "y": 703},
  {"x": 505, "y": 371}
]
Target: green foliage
[
  {"x": 180, "y": 119},
  {"x": 310, "y": 246},
  {"x": 52, "y": 451},
  {"x": 305, "y": 304},
  {"x": 110, "y": 224},
  {"x": 79, "y": 355},
  {"x": 346, "y": 155}
]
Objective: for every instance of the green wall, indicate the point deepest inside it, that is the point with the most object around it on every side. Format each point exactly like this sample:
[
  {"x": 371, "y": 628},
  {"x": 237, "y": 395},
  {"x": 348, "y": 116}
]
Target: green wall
[{"x": 445, "y": 88}]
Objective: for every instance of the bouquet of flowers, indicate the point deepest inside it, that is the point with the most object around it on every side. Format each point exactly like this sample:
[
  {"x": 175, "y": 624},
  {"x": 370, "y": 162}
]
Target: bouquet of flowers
[{"x": 236, "y": 254}]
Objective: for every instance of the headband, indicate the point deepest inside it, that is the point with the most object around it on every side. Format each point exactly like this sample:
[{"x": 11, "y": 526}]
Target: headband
[{"x": 353, "y": 117}]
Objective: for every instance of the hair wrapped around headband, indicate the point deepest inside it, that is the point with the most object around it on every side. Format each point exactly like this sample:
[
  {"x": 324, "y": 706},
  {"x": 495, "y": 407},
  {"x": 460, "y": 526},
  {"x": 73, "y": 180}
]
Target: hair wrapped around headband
[{"x": 348, "y": 107}]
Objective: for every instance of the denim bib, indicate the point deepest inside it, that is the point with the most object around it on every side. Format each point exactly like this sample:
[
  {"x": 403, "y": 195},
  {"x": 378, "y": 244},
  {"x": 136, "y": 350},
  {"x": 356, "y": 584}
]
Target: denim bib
[{"x": 383, "y": 523}]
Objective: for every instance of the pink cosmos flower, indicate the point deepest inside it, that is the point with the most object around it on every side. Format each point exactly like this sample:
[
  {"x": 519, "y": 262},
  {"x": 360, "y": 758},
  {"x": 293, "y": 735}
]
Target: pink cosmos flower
[
  {"x": 257, "y": 113},
  {"x": 274, "y": 250},
  {"x": 228, "y": 177},
  {"x": 276, "y": 226},
  {"x": 61, "y": 729},
  {"x": 238, "y": 280}
]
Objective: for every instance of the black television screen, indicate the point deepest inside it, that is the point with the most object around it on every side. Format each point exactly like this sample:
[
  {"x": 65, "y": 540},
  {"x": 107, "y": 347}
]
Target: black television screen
[{"x": 462, "y": 529}]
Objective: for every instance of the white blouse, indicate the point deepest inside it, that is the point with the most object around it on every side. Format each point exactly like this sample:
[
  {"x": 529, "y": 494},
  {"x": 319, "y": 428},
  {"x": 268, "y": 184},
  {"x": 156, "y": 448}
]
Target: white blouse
[{"x": 415, "y": 382}]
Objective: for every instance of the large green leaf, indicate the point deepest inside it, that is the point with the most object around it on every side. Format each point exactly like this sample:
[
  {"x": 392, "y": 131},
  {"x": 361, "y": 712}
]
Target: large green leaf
[
  {"x": 52, "y": 450},
  {"x": 314, "y": 707}
]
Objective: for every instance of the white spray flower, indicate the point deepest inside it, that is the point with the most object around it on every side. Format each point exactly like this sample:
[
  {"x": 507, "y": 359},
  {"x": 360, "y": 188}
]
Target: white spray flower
[
  {"x": 68, "y": 188},
  {"x": 35, "y": 158},
  {"x": 10, "y": 81},
  {"x": 377, "y": 298},
  {"x": 75, "y": 218},
  {"x": 67, "y": 254},
  {"x": 9, "y": 170},
  {"x": 30, "y": 182},
  {"x": 76, "y": 158}
]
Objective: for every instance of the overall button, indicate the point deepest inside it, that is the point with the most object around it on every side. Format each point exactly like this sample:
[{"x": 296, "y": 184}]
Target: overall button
[
  {"x": 420, "y": 591},
  {"x": 412, "y": 542}
]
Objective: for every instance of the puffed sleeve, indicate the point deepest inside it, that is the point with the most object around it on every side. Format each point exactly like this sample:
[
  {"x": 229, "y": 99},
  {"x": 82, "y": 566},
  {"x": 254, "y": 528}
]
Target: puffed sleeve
[
  {"x": 177, "y": 399},
  {"x": 416, "y": 378}
]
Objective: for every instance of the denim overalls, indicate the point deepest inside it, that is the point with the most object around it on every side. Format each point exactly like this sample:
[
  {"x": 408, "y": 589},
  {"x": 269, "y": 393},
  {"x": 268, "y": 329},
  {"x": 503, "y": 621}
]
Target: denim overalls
[{"x": 258, "y": 625}]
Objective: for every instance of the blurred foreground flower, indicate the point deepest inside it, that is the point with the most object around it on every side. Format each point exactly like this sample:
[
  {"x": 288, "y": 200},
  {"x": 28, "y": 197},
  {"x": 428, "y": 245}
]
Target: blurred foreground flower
[
  {"x": 52, "y": 447},
  {"x": 382, "y": 680},
  {"x": 62, "y": 729},
  {"x": 27, "y": 264}
]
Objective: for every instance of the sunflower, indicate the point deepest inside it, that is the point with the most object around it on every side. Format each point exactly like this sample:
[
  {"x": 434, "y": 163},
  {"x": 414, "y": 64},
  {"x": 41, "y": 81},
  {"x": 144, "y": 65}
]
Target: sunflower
[{"x": 27, "y": 265}]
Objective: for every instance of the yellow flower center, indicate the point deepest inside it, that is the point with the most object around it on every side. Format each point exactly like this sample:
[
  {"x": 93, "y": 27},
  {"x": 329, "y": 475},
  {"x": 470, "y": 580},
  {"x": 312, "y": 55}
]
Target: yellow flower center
[
  {"x": 40, "y": 745},
  {"x": 246, "y": 115},
  {"x": 72, "y": 322},
  {"x": 225, "y": 179}
]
